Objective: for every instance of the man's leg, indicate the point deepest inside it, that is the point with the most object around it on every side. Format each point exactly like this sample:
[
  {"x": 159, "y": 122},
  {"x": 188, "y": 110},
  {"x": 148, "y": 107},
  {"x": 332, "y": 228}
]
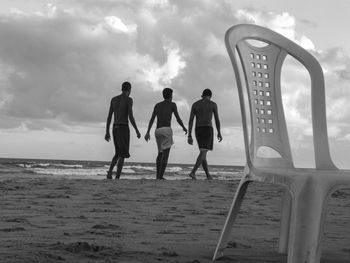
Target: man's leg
[
  {"x": 158, "y": 161},
  {"x": 123, "y": 140},
  {"x": 119, "y": 167},
  {"x": 111, "y": 167},
  {"x": 202, "y": 156},
  {"x": 116, "y": 154},
  {"x": 163, "y": 163},
  {"x": 206, "y": 170}
]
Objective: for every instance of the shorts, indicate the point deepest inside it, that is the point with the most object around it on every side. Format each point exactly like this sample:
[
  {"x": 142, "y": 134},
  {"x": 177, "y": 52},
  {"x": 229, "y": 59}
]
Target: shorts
[
  {"x": 164, "y": 138},
  {"x": 205, "y": 137},
  {"x": 121, "y": 139}
]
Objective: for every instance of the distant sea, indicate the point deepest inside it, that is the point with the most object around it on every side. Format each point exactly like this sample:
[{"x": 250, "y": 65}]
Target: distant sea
[{"x": 69, "y": 169}]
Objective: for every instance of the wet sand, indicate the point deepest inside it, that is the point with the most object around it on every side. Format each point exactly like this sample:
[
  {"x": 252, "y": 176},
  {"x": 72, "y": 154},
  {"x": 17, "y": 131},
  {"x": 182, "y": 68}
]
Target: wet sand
[{"x": 48, "y": 220}]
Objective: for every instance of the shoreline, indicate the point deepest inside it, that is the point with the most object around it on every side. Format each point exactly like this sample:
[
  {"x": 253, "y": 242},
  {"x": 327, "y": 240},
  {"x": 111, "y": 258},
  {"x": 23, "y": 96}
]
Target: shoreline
[
  {"x": 6, "y": 159},
  {"x": 96, "y": 170}
]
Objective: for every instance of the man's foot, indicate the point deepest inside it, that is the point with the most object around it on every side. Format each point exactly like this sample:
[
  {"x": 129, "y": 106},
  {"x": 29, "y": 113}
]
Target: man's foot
[
  {"x": 109, "y": 175},
  {"x": 209, "y": 177},
  {"x": 192, "y": 175}
]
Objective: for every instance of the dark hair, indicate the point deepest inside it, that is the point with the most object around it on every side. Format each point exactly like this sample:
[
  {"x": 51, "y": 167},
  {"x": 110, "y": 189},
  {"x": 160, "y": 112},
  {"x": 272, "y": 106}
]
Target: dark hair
[
  {"x": 167, "y": 93},
  {"x": 126, "y": 86},
  {"x": 206, "y": 92}
]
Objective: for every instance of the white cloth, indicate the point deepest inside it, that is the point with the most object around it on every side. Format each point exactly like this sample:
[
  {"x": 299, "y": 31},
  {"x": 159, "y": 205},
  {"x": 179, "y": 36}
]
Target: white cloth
[{"x": 164, "y": 138}]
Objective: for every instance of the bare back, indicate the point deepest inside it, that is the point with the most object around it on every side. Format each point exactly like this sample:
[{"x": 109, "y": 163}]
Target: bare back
[
  {"x": 164, "y": 111},
  {"x": 204, "y": 109},
  {"x": 121, "y": 105}
]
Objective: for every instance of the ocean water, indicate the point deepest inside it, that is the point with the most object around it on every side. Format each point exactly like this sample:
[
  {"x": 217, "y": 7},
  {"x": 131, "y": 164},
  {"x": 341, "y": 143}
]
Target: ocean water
[{"x": 69, "y": 169}]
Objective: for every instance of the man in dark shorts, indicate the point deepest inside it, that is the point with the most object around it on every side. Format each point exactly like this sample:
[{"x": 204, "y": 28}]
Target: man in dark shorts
[
  {"x": 203, "y": 110},
  {"x": 163, "y": 133},
  {"x": 121, "y": 107}
]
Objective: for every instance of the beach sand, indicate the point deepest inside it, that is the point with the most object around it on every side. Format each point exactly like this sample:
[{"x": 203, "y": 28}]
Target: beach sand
[{"x": 60, "y": 220}]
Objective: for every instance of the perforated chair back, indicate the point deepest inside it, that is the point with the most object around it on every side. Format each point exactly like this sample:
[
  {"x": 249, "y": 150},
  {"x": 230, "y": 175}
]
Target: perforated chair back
[{"x": 258, "y": 71}]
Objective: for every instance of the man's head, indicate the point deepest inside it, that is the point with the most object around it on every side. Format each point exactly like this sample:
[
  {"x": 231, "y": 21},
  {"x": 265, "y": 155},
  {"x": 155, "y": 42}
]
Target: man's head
[
  {"x": 126, "y": 87},
  {"x": 206, "y": 93},
  {"x": 167, "y": 93}
]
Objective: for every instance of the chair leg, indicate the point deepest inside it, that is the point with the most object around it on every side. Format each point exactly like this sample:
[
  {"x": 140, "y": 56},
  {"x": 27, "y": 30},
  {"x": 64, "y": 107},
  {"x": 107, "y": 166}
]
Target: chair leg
[
  {"x": 307, "y": 225},
  {"x": 236, "y": 204},
  {"x": 285, "y": 222}
]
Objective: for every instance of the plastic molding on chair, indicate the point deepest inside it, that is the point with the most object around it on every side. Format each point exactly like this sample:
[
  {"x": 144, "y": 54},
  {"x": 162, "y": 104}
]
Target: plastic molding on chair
[{"x": 258, "y": 73}]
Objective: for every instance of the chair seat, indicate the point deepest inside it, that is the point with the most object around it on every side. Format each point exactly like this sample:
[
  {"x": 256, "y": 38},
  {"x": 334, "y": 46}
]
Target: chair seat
[{"x": 286, "y": 176}]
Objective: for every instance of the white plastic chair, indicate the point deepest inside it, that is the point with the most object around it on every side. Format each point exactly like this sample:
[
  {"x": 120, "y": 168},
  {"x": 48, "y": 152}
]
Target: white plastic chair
[{"x": 258, "y": 69}]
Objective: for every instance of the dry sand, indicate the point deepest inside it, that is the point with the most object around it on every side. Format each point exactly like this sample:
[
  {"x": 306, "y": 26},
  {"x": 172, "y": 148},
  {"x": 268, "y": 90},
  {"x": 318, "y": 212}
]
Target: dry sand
[{"x": 47, "y": 220}]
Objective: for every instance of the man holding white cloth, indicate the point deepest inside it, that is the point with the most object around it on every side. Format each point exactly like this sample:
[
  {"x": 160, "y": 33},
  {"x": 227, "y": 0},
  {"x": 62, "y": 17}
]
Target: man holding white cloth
[{"x": 164, "y": 134}]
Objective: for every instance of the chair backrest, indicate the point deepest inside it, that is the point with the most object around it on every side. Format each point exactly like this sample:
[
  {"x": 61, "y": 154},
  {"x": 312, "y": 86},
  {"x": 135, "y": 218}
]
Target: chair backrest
[{"x": 259, "y": 69}]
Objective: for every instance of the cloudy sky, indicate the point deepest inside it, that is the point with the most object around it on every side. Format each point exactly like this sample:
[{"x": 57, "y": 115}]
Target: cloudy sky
[{"x": 62, "y": 61}]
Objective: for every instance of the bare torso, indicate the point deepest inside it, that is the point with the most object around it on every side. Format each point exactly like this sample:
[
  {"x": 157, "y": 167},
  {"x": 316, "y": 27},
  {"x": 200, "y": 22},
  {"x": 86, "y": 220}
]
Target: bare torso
[
  {"x": 120, "y": 105},
  {"x": 164, "y": 111},
  {"x": 204, "y": 109}
]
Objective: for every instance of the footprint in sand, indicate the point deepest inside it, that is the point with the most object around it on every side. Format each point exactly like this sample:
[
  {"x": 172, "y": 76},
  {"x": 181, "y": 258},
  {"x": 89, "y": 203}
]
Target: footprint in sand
[
  {"x": 168, "y": 253},
  {"x": 79, "y": 247},
  {"x": 106, "y": 226},
  {"x": 12, "y": 229},
  {"x": 17, "y": 220},
  {"x": 234, "y": 244}
]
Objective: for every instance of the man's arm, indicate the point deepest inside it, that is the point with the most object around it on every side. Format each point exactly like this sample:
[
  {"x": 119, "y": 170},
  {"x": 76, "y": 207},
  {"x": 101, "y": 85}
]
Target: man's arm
[
  {"x": 190, "y": 125},
  {"x": 217, "y": 122},
  {"x": 131, "y": 118},
  {"x": 178, "y": 119},
  {"x": 147, "y": 136},
  {"x": 108, "y": 123}
]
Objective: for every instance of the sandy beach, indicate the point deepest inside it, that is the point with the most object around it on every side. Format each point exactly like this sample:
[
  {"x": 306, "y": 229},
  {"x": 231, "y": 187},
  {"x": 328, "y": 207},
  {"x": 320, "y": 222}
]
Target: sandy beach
[{"x": 61, "y": 220}]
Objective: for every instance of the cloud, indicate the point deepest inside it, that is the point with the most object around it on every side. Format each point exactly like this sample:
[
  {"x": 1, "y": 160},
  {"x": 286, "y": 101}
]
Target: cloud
[
  {"x": 284, "y": 24},
  {"x": 56, "y": 65},
  {"x": 336, "y": 65},
  {"x": 117, "y": 24},
  {"x": 214, "y": 46},
  {"x": 161, "y": 76}
]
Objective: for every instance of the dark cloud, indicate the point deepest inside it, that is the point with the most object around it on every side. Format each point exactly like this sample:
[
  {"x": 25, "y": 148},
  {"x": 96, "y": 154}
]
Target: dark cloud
[{"x": 59, "y": 66}]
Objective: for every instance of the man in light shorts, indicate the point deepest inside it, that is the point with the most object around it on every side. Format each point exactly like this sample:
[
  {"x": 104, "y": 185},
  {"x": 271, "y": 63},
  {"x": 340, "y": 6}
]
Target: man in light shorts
[
  {"x": 203, "y": 110},
  {"x": 164, "y": 134}
]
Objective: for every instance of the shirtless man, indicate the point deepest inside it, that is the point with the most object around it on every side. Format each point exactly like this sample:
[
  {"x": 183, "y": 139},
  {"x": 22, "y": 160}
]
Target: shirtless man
[
  {"x": 203, "y": 110},
  {"x": 164, "y": 134},
  {"x": 121, "y": 107}
]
